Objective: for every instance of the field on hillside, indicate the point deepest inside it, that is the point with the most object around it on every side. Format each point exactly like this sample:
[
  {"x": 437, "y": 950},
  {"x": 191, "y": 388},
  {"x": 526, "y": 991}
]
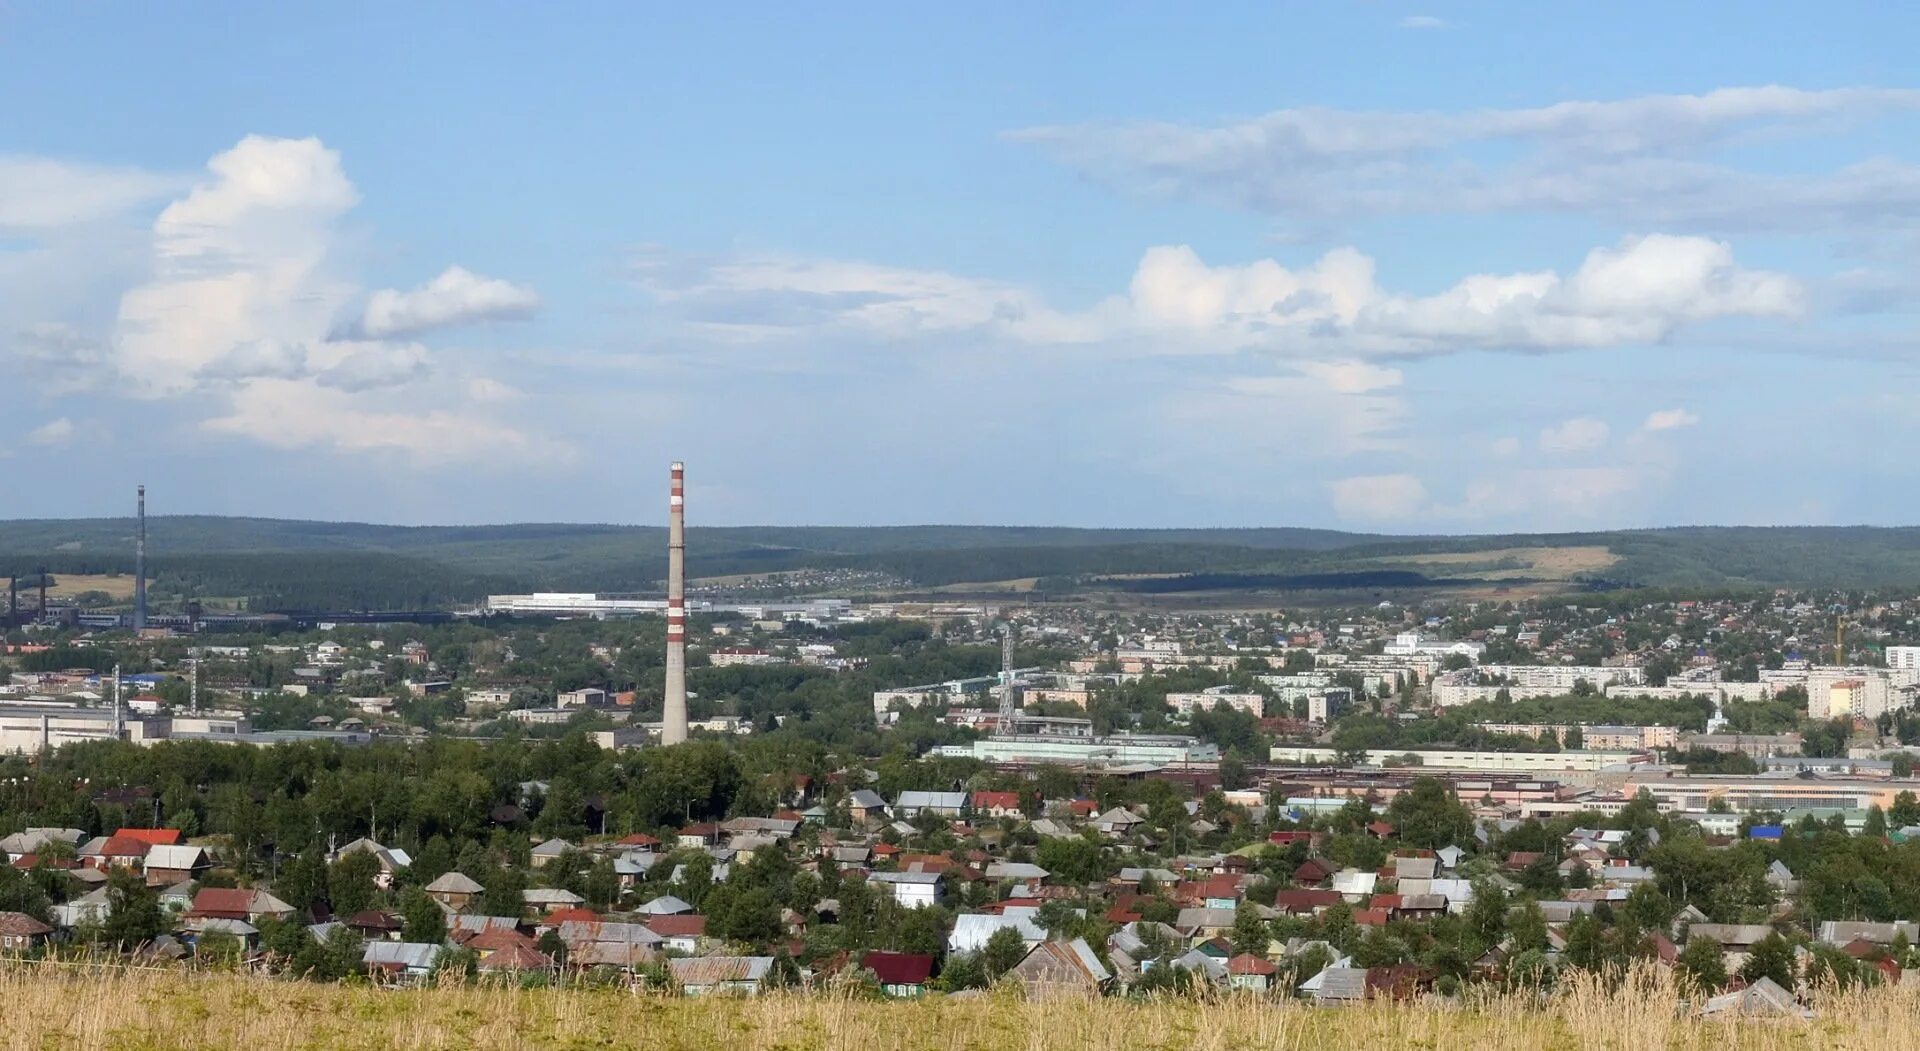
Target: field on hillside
[
  {"x": 155, "y": 1009},
  {"x": 67, "y": 585}
]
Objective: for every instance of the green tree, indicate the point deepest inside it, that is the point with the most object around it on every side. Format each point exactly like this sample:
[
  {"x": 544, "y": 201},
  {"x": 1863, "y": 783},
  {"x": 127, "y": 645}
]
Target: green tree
[
  {"x": 1701, "y": 967},
  {"x": 350, "y": 883},
  {"x": 1003, "y": 952},
  {"x": 1770, "y": 957},
  {"x": 421, "y": 918},
  {"x": 134, "y": 916},
  {"x": 1428, "y": 815},
  {"x": 1250, "y": 932}
]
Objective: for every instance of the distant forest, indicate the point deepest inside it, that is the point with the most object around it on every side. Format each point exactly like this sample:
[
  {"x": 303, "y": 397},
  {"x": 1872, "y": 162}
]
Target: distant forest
[{"x": 275, "y": 564}]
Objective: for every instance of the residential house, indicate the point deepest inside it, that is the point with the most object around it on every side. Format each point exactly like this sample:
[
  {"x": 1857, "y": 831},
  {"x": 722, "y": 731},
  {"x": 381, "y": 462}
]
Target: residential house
[
  {"x": 914, "y": 890},
  {"x": 105, "y": 853},
  {"x": 544, "y": 853},
  {"x": 391, "y": 860},
  {"x": 20, "y": 932},
  {"x": 865, "y": 805},
  {"x": 454, "y": 890},
  {"x": 168, "y": 864},
  {"x": 1057, "y": 970},
  {"x": 665, "y": 905},
  {"x": 912, "y": 804},
  {"x": 710, "y": 974},
  {"x": 1250, "y": 972},
  {"x": 972, "y": 929},
  {"x": 410, "y": 961},
  {"x": 1117, "y": 823},
  {"x": 901, "y": 974},
  {"x": 685, "y": 932},
  {"x": 998, "y": 804},
  {"x": 229, "y": 903},
  {"x": 549, "y": 899}
]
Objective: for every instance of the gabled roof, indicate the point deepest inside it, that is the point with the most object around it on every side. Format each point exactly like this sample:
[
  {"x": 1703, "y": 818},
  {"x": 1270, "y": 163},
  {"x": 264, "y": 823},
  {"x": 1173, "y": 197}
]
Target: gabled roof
[
  {"x": 713, "y": 970},
  {"x": 516, "y": 957},
  {"x": 679, "y": 926},
  {"x": 151, "y": 836},
  {"x": 412, "y": 956},
  {"x": 1248, "y": 963},
  {"x": 170, "y": 856},
  {"x": 899, "y": 968}
]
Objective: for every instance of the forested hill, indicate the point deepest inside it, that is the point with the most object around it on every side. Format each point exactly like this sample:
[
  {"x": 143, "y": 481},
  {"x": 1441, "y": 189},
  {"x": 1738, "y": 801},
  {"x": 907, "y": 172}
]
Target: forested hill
[{"x": 275, "y": 563}]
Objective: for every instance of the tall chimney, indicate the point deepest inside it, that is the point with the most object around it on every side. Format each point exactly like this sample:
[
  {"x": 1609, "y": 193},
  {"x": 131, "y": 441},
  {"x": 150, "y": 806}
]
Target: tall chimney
[
  {"x": 673, "y": 726},
  {"x": 140, "y": 566}
]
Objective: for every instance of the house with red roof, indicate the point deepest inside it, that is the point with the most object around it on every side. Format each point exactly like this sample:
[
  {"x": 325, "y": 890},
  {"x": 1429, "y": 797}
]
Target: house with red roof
[
  {"x": 902, "y": 974},
  {"x": 153, "y": 837},
  {"x": 1247, "y": 971},
  {"x": 997, "y": 804}
]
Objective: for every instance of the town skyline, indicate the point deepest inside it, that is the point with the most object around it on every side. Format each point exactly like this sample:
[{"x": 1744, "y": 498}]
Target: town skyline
[{"x": 1534, "y": 271}]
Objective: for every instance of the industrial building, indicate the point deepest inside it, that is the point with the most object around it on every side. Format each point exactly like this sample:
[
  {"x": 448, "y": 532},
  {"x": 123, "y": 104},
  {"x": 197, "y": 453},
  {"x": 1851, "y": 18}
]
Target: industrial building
[{"x": 1483, "y": 762}]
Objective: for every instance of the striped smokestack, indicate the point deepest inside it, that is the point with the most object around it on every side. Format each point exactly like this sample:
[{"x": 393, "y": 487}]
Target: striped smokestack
[
  {"x": 140, "y": 566},
  {"x": 673, "y": 726}
]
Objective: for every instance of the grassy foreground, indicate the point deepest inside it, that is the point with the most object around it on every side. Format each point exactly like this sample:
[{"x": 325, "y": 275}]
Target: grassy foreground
[{"x": 50, "y": 1008}]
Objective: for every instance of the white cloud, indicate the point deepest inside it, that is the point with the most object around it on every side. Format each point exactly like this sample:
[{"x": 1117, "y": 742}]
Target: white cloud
[
  {"x": 52, "y": 433},
  {"x": 289, "y": 414},
  {"x": 1378, "y": 497},
  {"x": 1576, "y": 435},
  {"x": 1423, "y": 22},
  {"x": 1636, "y": 160},
  {"x": 246, "y": 281},
  {"x": 1325, "y": 409},
  {"x": 1638, "y": 291},
  {"x": 242, "y": 258},
  {"x": 60, "y": 359},
  {"x": 38, "y": 193},
  {"x": 257, "y": 359},
  {"x": 1669, "y": 420},
  {"x": 373, "y": 366},
  {"x": 457, "y": 297},
  {"x": 1504, "y": 447}
]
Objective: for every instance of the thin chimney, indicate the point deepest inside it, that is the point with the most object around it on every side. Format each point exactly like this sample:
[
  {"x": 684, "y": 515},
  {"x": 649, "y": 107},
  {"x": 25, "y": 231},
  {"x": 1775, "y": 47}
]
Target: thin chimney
[
  {"x": 673, "y": 726},
  {"x": 140, "y": 566}
]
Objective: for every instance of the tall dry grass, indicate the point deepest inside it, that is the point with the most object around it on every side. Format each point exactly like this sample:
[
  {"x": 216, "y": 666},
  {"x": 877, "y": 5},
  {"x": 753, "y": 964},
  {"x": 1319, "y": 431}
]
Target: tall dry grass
[{"x": 46, "y": 1006}]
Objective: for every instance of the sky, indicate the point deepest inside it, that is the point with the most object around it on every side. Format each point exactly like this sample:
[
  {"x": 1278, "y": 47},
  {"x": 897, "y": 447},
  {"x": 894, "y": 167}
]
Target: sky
[{"x": 1406, "y": 268}]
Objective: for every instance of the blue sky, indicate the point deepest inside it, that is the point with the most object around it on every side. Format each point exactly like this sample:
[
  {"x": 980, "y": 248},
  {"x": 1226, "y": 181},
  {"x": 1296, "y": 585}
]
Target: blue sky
[{"x": 1424, "y": 268}]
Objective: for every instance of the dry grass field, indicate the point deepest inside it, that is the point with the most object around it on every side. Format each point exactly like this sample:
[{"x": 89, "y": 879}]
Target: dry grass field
[
  {"x": 67, "y": 585},
  {"x": 152, "y": 1009}
]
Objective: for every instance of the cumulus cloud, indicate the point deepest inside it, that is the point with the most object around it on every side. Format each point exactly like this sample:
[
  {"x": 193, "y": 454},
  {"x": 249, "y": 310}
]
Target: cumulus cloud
[
  {"x": 1638, "y": 291},
  {"x": 1323, "y": 409},
  {"x": 1639, "y": 160},
  {"x": 257, "y": 359},
  {"x": 53, "y": 433},
  {"x": 1576, "y": 435},
  {"x": 246, "y": 280},
  {"x": 1378, "y": 497},
  {"x": 1423, "y": 22},
  {"x": 242, "y": 258},
  {"x": 39, "y": 193},
  {"x": 1669, "y": 420},
  {"x": 289, "y": 414},
  {"x": 457, "y": 297}
]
